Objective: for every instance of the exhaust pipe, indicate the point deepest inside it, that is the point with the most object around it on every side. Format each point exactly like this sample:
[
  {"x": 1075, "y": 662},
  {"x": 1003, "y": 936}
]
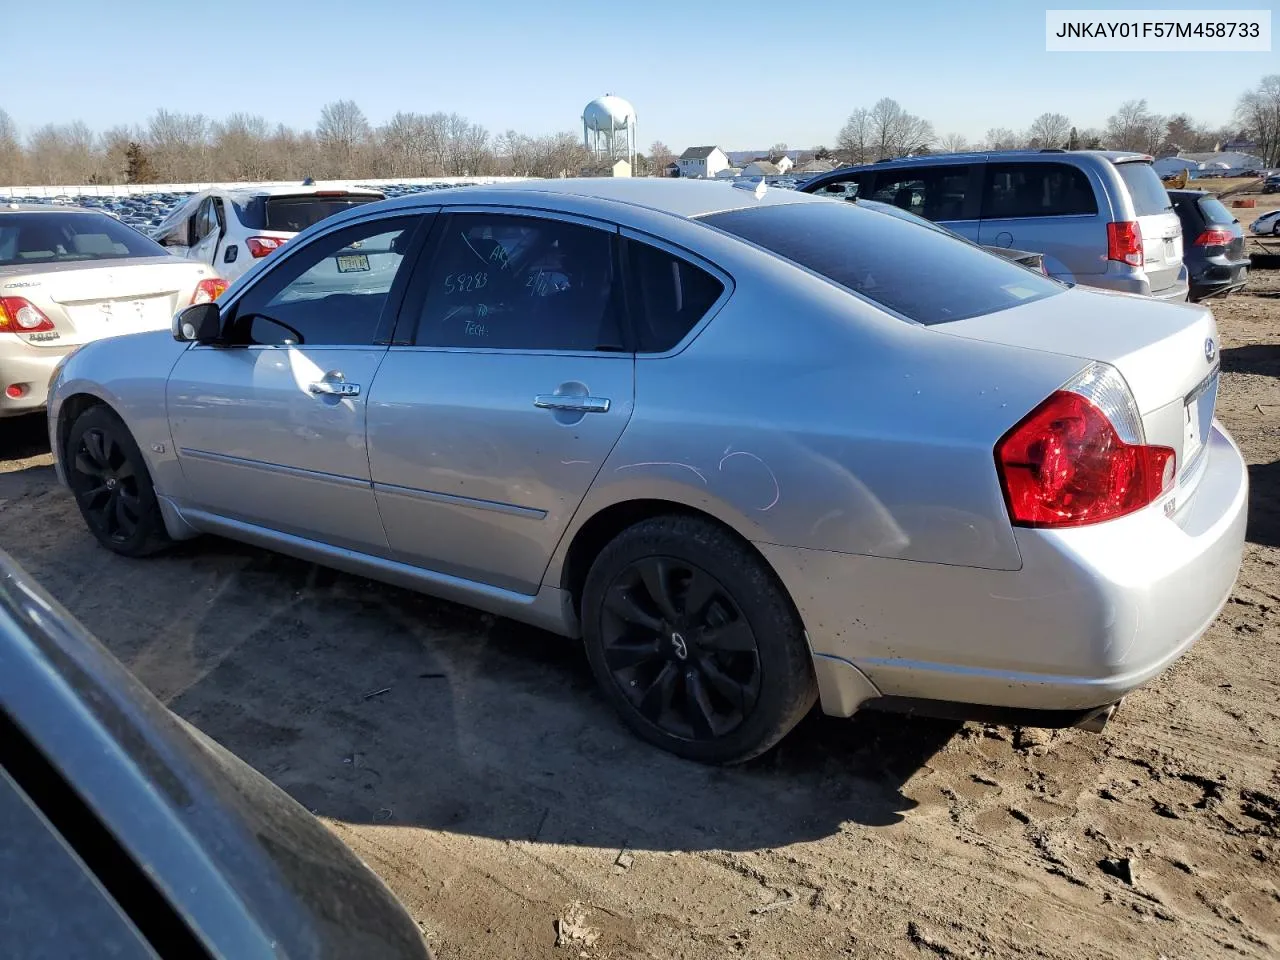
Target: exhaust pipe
[{"x": 1095, "y": 721}]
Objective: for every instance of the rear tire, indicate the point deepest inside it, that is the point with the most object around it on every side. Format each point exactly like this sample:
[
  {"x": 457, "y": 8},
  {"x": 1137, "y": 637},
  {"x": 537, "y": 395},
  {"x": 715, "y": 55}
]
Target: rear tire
[
  {"x": 108, "y": 475},
  {"x": 694, "y": 641}
]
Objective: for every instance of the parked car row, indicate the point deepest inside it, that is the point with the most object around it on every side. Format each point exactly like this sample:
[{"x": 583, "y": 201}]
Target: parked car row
[{"x": 1102, "y": 219}]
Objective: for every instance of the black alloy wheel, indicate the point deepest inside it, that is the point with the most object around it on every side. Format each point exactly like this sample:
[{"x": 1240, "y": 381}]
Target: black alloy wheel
[
  {"x": 694, "y": 640},
  {"x": 680, "y": 649},
  {"x": 108, "y": 475},
  {"x": 105, "y": 483}
]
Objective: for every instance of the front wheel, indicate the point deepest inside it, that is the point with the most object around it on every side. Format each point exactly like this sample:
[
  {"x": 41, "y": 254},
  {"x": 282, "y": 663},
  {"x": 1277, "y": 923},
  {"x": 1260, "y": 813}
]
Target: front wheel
[
  {"x": 108, "y": 475},
  {"x": 695, "y": 642}
]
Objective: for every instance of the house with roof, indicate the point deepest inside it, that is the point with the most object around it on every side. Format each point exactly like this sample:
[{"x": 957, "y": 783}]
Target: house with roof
[
  {"x": 813, "y": 167},
  {"x": 702, "y": 162},
  {"x": 761, "y": 168}
]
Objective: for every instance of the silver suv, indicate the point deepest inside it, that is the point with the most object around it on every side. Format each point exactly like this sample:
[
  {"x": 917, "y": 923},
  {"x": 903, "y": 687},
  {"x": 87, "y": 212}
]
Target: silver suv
[{"x": 1100, "y": 218}]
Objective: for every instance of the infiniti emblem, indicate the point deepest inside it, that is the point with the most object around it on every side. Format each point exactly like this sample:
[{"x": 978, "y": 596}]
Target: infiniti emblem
[
  {"x": 1210, "y": 349},
  {"x": 681, "y": 648}
]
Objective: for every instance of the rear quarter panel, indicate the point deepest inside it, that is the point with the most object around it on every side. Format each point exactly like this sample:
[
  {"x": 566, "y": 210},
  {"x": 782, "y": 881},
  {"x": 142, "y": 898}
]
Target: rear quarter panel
[{"x": 803, "y": 416}]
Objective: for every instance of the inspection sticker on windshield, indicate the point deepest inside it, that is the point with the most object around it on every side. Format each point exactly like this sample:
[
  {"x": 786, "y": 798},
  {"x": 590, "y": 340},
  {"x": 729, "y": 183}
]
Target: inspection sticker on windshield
[{"x": 354, "y": 263}]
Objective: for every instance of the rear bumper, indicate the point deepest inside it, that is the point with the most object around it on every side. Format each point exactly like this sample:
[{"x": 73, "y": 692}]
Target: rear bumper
[
  {"x": 1137, "y": 283},
  {"x": 31, "y": 367},
  {"x": 1094, "y": 612},
  {"x": 1218, "y": 276}
]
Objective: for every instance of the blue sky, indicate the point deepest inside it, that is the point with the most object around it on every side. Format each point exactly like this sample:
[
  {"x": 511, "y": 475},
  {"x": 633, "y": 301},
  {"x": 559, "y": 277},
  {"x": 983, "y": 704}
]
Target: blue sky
[{"x": 742, "y": 73}]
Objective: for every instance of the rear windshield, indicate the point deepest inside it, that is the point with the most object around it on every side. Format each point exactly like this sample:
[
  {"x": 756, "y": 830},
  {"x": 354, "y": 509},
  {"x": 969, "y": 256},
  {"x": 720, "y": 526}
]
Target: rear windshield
[
  {"x": 1214, "y": 211},
  {"x": 39, "y": 237},
  {"x": 919, "y": 272},
  {"x": 1149, "y": 194},
  {"x": 293, "y": 214}
]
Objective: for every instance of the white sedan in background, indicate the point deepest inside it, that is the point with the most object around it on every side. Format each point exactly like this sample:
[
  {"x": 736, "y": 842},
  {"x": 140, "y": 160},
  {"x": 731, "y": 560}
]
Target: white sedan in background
[
  {"x": 232, "y": 229},
  {"x": 1267, "y": 225},
  {"x": 69, "y": 276}
]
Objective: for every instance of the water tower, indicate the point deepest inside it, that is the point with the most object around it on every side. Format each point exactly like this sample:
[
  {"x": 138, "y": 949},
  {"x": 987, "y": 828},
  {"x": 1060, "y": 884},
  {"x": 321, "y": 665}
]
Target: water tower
[{"x": 609, "y": 129}]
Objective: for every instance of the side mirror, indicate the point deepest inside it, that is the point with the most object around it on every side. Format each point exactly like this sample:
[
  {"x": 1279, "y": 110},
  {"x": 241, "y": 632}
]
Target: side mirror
[{"x": 199, "y": 323}]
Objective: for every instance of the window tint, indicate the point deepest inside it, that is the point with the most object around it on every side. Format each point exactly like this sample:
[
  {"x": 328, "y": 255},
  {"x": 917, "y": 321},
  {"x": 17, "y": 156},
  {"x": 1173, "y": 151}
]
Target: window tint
[
  {"x": 520, "y": 283},
  {"x": 937, "y": 194},
  {"x": 66, "y": 237},
  {"x": 1215, "y": 212},
  {"x": 921, "y": 273},
  {"x": 293, "y": 214},
  {"x": 669, "y": 295},
  {"x": 1036, "y": 190},
  {"x": 332, "y": 291},
  {"x": 206, "y": 219},
  {"x": 1148, "y": 193},
  {"x": 846, "y": 189}
]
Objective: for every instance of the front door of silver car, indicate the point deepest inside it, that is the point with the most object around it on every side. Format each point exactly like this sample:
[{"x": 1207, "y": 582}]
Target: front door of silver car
[
  {"x": 508, "y": 384},
  {"x": 270, "y": 429}
]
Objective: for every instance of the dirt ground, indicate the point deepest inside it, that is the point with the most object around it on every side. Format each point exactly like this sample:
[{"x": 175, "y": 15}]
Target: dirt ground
[{"x": 472, "y": 764}]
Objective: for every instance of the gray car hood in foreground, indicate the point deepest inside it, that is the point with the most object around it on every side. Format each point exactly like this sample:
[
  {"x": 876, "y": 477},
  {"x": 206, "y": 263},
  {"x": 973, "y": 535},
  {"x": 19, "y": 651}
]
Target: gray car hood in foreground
[{"x": 250, "y": 872}]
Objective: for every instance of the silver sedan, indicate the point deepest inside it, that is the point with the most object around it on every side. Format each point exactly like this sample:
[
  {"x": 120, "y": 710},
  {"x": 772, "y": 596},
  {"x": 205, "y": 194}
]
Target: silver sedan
[{"x": 756, "y": 448}]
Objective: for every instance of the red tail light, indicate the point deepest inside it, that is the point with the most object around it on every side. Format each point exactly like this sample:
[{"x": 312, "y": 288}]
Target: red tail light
[
  {"x": 21, "y": 316},
  {"x": 1064, "y": 465},
  {"x": 1124, "y": 243},
  {"x": 1215, "y": 237},
  {"x": 209, "y": 290},
  {"x": 261, "y": 246}
]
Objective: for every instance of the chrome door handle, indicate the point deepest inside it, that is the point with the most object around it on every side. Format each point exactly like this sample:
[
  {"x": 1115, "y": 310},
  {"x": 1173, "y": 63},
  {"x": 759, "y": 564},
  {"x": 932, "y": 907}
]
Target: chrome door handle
[
  {"x": 557, "y": 401},
  {"x": 335, "y": 388}
]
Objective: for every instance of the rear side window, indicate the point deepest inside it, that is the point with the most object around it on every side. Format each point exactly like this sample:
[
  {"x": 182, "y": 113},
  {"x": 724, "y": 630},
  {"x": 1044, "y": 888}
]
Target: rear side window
[
  {"x": 293, "y": 214},
  {"x": 937, "y": 194},
  {"x": 1148, "y": 193},
  {"x": 669, "y": 295},
  {"x": 919, "y": 272},
  {"x": 847, "y": 188},
  {"x": 34, "y": 238},
  {"x": 1036, "y": 190},
  {"x": 1214, "y": 211}
]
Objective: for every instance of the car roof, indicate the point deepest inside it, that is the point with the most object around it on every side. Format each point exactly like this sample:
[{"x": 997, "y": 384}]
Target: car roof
[
  {"x": 294, "y": 190},
  {"x": 1115, "y": 156},
  {"x": 687, "y": 198},
  {"x": 43, "y": 208}
]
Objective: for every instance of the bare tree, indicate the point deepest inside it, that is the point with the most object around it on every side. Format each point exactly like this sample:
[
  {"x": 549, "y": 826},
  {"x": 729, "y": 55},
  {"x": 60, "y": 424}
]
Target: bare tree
[
  {"x": 178, "y": 146},
  {"x": 1134, "y": 127},
  {"x": 240, "y": 143},
  {"x": 63, "y": 153},
  {"x": 896, "y": 133},
  {"x": 659, "y": 156},
  {"x": 1258, "y": 111},
  {"x": 1003, "y": 138},
  {"x": 777, "y": 152},
  {"x": 855, "y": 139},
  {"x": 343, "y": 132},
  {"x": 1049, "y": 130},
  {"x": 953, "y": 143},
  {"x": 12, "y": 161}
]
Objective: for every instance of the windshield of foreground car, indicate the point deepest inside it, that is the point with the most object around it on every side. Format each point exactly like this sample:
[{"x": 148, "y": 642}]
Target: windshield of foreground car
[
  {"x": 919, "y": 272},
  {"x": 39, "y": 237}
]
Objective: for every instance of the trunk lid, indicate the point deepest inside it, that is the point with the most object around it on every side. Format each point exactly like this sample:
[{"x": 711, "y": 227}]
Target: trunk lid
[
  {"x": 1167, "y": 353},
  {"x": 89, "y": 300},
  {"x": 1158, "y": 224}
]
